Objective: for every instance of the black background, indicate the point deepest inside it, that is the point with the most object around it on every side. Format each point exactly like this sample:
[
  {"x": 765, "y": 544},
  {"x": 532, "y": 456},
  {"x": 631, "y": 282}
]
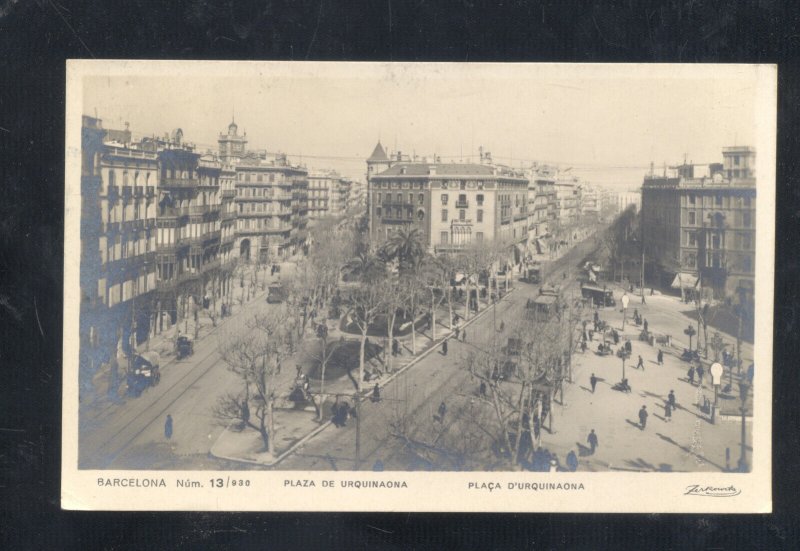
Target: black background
[{"x": 36, "y": 37}]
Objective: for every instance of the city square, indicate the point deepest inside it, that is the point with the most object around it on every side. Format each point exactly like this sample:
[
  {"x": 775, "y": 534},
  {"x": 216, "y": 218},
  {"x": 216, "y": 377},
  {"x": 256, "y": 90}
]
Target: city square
[{"x": 245, "y": 309}]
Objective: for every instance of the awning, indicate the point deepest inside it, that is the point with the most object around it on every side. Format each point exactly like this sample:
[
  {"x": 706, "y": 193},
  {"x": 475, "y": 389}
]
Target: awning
[{"x": 686, "y": 281}]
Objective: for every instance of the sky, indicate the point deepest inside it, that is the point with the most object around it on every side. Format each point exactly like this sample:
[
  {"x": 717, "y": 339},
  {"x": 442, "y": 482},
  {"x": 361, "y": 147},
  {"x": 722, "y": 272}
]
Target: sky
[{"x": 606, "y": 122}]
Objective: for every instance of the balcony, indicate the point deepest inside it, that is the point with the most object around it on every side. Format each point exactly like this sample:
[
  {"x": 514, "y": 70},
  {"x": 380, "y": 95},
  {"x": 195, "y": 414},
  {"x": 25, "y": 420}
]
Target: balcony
[
  {"x": 228, "y": 193},
  {"x": 227, "y": 215},
  {"x": 462, "y": 204},
  {"x": 130, "y": 153},
  {"x": 183, "y": 183}
]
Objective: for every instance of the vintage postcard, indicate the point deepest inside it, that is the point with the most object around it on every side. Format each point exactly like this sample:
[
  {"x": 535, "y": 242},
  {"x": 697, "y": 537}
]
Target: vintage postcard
[{"x": 418, "y": 287}]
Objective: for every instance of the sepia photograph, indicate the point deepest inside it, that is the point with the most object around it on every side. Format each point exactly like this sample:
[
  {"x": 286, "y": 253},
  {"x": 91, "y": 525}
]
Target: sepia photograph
[{"x": 418, "y": 286}]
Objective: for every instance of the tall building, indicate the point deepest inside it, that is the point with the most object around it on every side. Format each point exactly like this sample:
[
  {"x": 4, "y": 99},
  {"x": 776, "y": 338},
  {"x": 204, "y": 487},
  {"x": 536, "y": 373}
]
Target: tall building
[
  {"x": 119, "y": 189},
  {"x": 272, "y": 210},
  {"x": 232, "y": 146},
  {"x": 700, "y": 220},
  {"x": 189, "y": 227},
  {"x": 453, "y": 204}
]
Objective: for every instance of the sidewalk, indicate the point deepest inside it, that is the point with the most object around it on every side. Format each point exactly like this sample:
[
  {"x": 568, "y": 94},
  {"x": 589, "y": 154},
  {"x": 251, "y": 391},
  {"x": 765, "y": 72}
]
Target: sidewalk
[{"x": 689, "y": 442}]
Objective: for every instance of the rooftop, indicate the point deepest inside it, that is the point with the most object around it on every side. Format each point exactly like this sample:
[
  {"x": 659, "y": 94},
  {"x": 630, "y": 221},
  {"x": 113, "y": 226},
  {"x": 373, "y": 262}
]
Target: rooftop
[
  {"x": 378, "y": 154},
  {"x": 448, "y": 169}
]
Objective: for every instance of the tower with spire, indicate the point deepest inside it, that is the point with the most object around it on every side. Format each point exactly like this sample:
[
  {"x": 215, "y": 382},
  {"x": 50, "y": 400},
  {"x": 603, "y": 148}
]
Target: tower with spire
[{"x": 232, "y": 145}]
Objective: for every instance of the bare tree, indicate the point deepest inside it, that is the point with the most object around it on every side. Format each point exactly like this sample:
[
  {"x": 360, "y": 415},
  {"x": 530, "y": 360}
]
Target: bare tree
[
  {"x": 256, "y": 356},
  {"x": 367, "y": 301}
]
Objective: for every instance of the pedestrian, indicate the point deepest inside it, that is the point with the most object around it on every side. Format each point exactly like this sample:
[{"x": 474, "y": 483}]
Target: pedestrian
[
  {"x": 444, "y": 347},
  {"x": 376, "y": 393},
  {"x": 482, "y": 389},
  {"x": 592, "y": 439},
  {"x": 660, "y": 357},
  {"x": 458, "y": 332},
  {"x": 640, "y": 363},
  {"x": 502, "y": 326},
  {"x": 583, "y": 345},
  {"x": 335, "y": 418},
  {"x": 690, "y": 375},
  {"x": 395, "y": 347},
  {"x": 572, "y": 461},
  {"x": 596, "y": 318},
  {"x": 464, "y": 335},
  {"x": 700, "y": 372},
  {"x": 671, "y": 398},
  {"x": 645, "y": 325},
  {"x": 593, "y": 382},
  {"x": 628, "y": 346},
  {"x": 168, "y": 427},
  {"x": 442, "y": 411},
  {"x": 667, "y": 412},
  {"x": 643, "y": 417}
]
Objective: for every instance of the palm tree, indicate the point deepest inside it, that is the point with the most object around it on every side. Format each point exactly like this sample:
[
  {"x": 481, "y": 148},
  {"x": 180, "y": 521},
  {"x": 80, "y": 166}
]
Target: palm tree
[
  {"x": 406, "y": 246},
  {"x": 365, "y": 268}
]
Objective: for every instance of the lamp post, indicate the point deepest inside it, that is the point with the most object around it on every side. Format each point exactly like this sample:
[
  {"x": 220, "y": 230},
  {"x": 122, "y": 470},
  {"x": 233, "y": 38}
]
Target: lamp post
[
  {"x": 691, "y": 333},
  {"x": 623, "y": 354},
  {"x": 743, "y": 390}
]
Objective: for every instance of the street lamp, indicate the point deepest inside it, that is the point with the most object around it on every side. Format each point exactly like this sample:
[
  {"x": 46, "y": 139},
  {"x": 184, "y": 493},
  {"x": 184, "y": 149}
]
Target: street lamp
[
  {"x": 743, "y": 390},
  {"x": 690, "y": 331},
  {"x": 623, "y": 354}
]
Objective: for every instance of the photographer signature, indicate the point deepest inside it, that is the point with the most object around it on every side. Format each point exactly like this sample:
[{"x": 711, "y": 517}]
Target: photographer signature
[{"x": 712, "y": 491}]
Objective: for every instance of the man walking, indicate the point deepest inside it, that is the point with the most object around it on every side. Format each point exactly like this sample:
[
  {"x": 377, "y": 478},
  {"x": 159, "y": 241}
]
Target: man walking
[
  {"x": 671, "y": 399},
  {"x": 442, "y": 411},
  {"x": 168, "y": 428},
  {"x": 593, "y": 382},
  {"x": 660, "y": 357},
  {"x": 640, "y": 363},
  {"x": 667, "y": 412},
  {"x": 643, "y": 417},
  {"x": 690, "y": 375},
  {"x": 645, "y": 325},
  {"x": 464, "y": 335},
  {"x": 592, "y": 439},
  {"x": 444, "y": 347},
  {"x": 700, "y": 372}
]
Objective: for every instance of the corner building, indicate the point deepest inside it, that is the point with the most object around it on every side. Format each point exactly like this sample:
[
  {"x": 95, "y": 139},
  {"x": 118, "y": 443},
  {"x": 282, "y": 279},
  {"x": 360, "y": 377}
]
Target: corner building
[
  {"x": 701, "y": 220},
  {"x": 453, "y": 204}
]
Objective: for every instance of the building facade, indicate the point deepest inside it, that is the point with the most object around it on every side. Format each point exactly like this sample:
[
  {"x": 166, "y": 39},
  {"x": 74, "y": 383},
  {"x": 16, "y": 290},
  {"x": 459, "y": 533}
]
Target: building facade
[
  {"x": 452, "y": 204},
  {"x": 700, "y": 220},
  {"x": 271, "y": 206}
]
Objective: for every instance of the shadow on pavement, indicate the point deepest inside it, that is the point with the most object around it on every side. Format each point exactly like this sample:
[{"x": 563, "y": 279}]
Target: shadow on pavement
[{"x": 688, "y": 451}]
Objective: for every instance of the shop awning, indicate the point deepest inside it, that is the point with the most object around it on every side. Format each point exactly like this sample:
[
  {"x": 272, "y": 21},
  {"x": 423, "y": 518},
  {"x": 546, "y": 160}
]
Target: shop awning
[{"x": 684, "y": 280}]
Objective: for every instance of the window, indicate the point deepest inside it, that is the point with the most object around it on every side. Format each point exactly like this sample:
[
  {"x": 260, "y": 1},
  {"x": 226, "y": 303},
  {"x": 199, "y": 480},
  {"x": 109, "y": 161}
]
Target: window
[
  {"x": 480, "y": 215},
  {"x": 411, "y": 198},
  {"x": 444, "y": 198},
  {"x": 462, "y": 215},
  {"x": 718, "y": 200},
  {"x": 399, "y": 197},
  {"x": 692, "y": 218},
  {"x": 479, "y": 198},
  {"x": 379, "y": 198},
  {"x": 444, "y": 215},
  {"x": 691, "y": 260},
  {"x": 747, "y": 201},
  {"x": 747, "y": 241},
  {"x": 746, "y": 219},
  {"x": 692, "y": 199},
  {"x": 691, "y": 239},
  {"x": 479, "y": 236},
  {"x": 747, "y": 263},
  {"x": 715, "y": 241},
  {"x": 444, "y": 237},
  {"x": 421, "y": 199},
  {"x": 462, "y": 198},
  {"x": 736, "y": 160}
]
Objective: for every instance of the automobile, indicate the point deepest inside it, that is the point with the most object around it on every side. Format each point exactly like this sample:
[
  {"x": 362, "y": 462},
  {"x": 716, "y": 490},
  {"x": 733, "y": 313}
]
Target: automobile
[
  {"x": 144, "y": 372},
  {"x": 184, "y": 347},
  {"x": 277, "y": 294},
  {"x": 600, "y": 296}
]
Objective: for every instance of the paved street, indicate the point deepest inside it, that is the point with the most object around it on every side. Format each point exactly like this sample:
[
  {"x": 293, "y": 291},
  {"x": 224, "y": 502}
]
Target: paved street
[{"x": 131, "y": 434}]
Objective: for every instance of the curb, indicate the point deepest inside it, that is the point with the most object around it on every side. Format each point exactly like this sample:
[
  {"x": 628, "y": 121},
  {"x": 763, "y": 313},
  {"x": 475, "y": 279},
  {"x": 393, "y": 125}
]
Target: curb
[{"x": 297, "y": 445}]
